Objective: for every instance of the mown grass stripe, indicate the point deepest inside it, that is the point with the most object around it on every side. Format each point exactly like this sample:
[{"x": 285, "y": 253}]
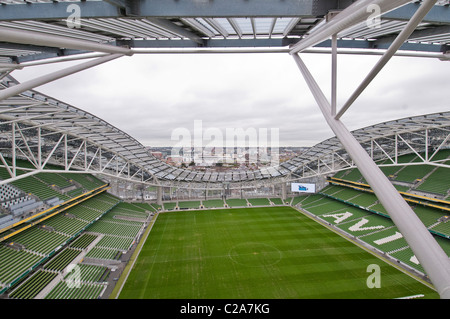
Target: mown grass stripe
[{"x": 197, "y": 254}]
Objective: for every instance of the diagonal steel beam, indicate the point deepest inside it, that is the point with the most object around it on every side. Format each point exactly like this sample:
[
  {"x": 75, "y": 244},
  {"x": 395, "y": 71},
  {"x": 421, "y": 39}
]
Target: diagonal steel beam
[
  {"x": 430, "y": 254},
  {"x": 53, "y": 150},
  {"x": 40, "y": 39},
  {"x": 356, "y": 13},
  {"x": 19, "y": 88},
  {"x": 6, "y": 166},
  {"x": 399, "y": 40}
]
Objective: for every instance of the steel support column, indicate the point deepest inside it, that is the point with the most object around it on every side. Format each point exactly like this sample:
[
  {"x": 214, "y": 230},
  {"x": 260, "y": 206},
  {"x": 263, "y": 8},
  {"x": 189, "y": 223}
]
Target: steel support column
[
  {"x": 13, "y": 149},
  {"x": 333, "y": 74},
  {"x": 430, "y": 254}
]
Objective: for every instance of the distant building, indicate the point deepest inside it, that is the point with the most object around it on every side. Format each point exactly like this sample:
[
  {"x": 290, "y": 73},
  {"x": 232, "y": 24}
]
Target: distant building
[
  {"x": 158, "y": 155},
  {"x": 175, "y": 160}
]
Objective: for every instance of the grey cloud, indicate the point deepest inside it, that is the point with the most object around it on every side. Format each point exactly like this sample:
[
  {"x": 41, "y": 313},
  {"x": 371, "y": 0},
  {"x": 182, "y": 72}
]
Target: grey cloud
[{"x": 150, "y": 96}]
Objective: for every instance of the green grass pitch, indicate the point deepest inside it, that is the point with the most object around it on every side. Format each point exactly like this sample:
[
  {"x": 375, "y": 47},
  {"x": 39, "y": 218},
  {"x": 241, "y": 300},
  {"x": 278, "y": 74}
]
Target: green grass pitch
[{"x": 258, "y": 253}]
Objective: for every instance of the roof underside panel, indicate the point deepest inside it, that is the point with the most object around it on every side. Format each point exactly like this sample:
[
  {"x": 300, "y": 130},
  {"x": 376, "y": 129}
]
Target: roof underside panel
[{"x": 204, "y": 24}]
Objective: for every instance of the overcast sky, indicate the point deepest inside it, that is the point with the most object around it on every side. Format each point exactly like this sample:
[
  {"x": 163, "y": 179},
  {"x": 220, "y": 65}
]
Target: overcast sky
[{"x": 150, "y": 96}]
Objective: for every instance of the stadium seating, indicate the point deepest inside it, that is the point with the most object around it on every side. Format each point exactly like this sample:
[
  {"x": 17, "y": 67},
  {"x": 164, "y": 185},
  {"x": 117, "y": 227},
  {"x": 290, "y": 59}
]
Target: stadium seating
[
  {"x": 83, "y": 241},
  {"x": 85, "y": 212},
  {"x": 407, "y": 256},
  {"x": 428, "y": 215},
  {"x": 15, "y": 263},
  {"x": 213, "y": 203},
  {"x": 33, "y": 285},
  {"x": 35, "y": 245},
  {"x": 103, "y": 253},
  {"x": 189, "y": 204},
  {"x": 8, "y": 192},
  {"x": 15, "y": 201},
  {"x": 411, "y": 174},
  {"x": 259, "y": 201},
  {"x": 444, "y": 243},
  {"x": 38, "y": 188},
  {"x": 39, "y": 240},
  {"x": 236, "y": 202},
  {"x": 84, "y": 291},
  {"x": 62, "y": 260},
  {"x": 420, "y": 177},
  {"x": 54, "y": 180},
  {"x": 387, "y": 240},
  {"x": 156, "y": 207},
  {"x": 90, "y": 273},
  {"x": 118, "y": 230},
  {"x": 65, "y": 225},
  {"x": 366, "y": 225},
  {"x": 103, "y": 227},
  {"x": 114, "y": 228},
  {"x": 86, "y": 181},
  {"x": 437, "y": 182},
  {"x": 114, "y": 242},
  {"x": 7, "y": 220},
  {"x": 30, "y": 193},
  {"x": 169, "y": 206},
  {"x": 136, "y": 206},
  {"x": 277, "y": 201},
  {"x": 375, "y": 230},
  {"x": 129, "y": 213},
  {"x": 358, "y": 213},
  {"x": 442, "y": 228}
]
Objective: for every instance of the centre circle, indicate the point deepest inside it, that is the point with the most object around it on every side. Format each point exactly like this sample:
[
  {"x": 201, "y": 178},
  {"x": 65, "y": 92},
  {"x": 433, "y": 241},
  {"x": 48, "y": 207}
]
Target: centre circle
[{"x": 254, "y": 254}]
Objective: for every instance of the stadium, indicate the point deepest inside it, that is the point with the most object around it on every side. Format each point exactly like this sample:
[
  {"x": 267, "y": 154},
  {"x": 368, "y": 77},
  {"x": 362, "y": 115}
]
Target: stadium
[{"x": 361, "y": 215}]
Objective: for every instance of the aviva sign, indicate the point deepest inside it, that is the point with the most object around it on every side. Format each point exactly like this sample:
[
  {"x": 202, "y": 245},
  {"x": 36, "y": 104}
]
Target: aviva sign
[{"x": 303, "y": 188}]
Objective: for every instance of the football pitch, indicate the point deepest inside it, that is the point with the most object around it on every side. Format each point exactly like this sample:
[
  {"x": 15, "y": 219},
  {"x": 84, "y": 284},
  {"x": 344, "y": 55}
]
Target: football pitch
[{"x": 258, "y": 253}]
